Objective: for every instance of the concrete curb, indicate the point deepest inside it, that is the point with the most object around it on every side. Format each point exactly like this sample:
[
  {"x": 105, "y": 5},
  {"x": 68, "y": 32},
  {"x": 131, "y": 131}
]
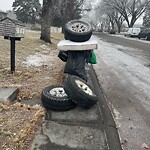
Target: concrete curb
[
  {"x": 8, "y": 94},
  {"x": 109, "y": 123}
]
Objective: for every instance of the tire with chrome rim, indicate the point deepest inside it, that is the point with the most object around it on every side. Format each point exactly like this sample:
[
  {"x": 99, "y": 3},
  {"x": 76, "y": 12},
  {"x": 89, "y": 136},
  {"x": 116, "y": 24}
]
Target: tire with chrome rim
[
  {"x": 80, "y": 92},
  {"x": 78, "y": 31},
  {"x": 54, "y": 98}
]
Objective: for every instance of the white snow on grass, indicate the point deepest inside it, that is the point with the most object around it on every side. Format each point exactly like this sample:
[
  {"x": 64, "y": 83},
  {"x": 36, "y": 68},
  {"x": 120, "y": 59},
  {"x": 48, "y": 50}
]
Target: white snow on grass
[
  {"x": 38, "y": 60},
  {"x": 44, "y": 47}
]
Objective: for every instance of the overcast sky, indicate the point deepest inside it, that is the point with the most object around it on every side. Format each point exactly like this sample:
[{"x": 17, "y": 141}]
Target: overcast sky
[{"x": 6, "y": 5}]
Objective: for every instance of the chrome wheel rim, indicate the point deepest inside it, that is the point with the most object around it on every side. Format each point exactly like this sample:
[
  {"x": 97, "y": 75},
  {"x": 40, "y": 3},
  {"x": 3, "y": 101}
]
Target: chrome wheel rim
[
  {"x": 78, "y": 27},
  {"x": 58, "y": 92},
  {"x": 84, "y": 87}
]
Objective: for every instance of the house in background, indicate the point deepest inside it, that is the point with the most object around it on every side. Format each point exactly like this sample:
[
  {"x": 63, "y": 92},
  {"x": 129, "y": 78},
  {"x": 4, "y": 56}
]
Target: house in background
[
  {"x": 10, "y": 14},
  {"x": 3, "y": 14}
]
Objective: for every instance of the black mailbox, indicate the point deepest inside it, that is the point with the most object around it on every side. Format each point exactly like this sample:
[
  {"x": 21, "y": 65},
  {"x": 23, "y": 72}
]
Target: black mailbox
[{"x": 14, "y": 30}]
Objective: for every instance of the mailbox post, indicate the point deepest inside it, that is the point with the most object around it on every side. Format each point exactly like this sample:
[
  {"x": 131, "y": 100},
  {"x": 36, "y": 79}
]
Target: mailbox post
[
  {"x": 12, "y": 55},
  {"x": 13, "y": 30}
]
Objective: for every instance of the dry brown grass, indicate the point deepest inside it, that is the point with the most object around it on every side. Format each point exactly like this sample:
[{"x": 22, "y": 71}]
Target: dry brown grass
[
  {"x": 18, "y": 122},
  {"x": 31, "y": 80},
  {"x": 18, "y": 125}
]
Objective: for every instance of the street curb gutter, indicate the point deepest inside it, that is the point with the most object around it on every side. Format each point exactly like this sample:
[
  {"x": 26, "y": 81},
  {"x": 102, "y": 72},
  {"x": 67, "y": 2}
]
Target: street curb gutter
[{"x": 109, "y": 123}]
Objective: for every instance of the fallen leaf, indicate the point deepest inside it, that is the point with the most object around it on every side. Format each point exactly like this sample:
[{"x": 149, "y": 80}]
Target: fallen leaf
[{"x": 145, "y": 146}]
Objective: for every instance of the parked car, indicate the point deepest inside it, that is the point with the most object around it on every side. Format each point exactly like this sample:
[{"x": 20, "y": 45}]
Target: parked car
[
  {"x": 132, "y": 32},
  {"x": 99, "y": 30},
  {"x": 112, "y": 31},
  {"x": 145, "y": 34}
]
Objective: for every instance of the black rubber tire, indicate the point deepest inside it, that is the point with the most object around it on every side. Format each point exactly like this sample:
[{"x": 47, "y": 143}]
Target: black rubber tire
[
  {"x": 56, "y": 103},
  {"x": 77, "y": 36},
  {"x": 78, "y": 95},
  {"x": 63, "y": 55},
  {"x": 75, "y": 64}
]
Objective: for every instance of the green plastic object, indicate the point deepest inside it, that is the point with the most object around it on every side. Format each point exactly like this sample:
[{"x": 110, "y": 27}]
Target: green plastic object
[{"x": 92, "y": 59}]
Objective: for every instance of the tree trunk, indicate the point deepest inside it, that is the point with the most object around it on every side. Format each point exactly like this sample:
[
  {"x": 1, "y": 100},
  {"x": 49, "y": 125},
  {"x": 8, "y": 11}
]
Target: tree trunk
[
  {"x": 46, "y": 21},
  {"x": 112, "y": 24},
  {"x": 133, "y": 20},
  {"x": 119, "y": 29},
  {"x": 63, "y": 23},
  {"x": 65, "y": 14},
  {"x": 118, "y": 25}
]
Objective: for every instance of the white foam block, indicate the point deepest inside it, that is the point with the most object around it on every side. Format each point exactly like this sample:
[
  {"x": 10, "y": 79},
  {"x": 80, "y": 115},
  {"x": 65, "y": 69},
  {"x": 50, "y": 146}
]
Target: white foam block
[{"x": 70, "y": 45}]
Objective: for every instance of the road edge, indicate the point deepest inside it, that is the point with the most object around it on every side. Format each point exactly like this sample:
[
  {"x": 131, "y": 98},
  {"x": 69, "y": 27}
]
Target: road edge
[{"x": 108, "y": 121}]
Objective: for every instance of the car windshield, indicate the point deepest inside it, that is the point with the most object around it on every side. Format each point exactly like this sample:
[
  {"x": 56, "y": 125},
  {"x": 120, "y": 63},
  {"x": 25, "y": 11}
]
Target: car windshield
[{"x": 136, "y": 30}]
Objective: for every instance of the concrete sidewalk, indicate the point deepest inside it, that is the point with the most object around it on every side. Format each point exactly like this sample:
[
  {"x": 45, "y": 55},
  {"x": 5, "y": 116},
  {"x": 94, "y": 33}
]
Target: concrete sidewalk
[
  {"x": 77, "y": 129},
  {"x": 8, "y": 93}
]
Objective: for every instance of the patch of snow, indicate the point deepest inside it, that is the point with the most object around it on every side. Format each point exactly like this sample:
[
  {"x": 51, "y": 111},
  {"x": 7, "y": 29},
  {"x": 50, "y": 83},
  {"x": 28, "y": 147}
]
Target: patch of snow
[
  {"x": 117, "y": 114},
  {"x": 44, "y": 47},
  {"x": 38, "y": 60}
]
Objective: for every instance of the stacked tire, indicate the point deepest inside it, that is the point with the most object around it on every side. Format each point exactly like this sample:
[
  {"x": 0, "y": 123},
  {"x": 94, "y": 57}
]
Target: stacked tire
[
  {"x": 54, "y": 98},
  {"x": 78, "y": 31},
  {"x": 80, "y": 92},
  {"x": 76, "y": 91}
]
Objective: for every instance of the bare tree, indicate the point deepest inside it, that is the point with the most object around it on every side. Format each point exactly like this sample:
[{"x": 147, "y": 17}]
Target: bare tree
[
  {"x": 91, "y": 14},
  {"x": 115, "y": 18},
  {"x": 146, "y": 18},
  {"x": 132, "y": 9},
  {"x": 119, "y": 19},
  {"x": 46, "y": 20},
  {"x": 69, "y": 10}
]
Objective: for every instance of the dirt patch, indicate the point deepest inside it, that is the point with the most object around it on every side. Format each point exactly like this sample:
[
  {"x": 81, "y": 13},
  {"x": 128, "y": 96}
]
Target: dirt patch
[{"x": 37, "y": 66}]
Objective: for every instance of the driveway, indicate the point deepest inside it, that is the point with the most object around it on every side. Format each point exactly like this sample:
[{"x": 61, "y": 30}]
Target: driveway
[{"x": 123, "y": 72}]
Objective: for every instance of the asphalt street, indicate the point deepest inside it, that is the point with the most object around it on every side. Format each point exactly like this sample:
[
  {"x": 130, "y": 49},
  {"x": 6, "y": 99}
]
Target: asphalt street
[
  {"x": 134, "y": 47},
  {"x": 126, "y": 42},
  {"x": 122, "y": 70}
]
